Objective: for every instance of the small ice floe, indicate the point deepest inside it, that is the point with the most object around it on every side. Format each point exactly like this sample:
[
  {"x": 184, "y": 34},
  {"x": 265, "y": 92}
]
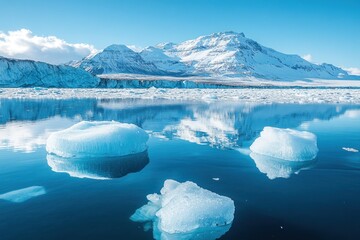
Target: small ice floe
[
  {"x": 286, "y": 144},
  {"x": 99, "y": 168},
  {"x": 216, "y": 179},
  {"x": 186, "y": 211},
  {"x": 350, "y": 149},
  {"x": 39, "y": 88},
  {"x": 103, "y": 138},
  {"x": 279, "y": 168},
  {"x": 24, "y": 194}
]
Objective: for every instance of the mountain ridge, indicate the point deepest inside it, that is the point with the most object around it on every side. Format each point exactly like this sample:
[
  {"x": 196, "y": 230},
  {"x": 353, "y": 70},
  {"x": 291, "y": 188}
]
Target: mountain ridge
[{"x": 227, "y": 54}]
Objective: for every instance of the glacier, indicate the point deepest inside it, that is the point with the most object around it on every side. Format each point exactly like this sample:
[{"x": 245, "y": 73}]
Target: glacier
[
  {"x": 98, "y": 168},
  {"x": 186, "y": 208},
  {"x": 27, "y": 73},
  {"x": 24, "y": 194},
  {"x": 98, "y": 138},
  {"x": 286, "y": 144}
]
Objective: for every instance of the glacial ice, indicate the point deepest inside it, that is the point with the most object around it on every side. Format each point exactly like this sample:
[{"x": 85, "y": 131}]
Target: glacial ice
[
  {"x": 278, "y": 168},
  {"x": 24, "y": 194},
  {"x": 241, "y": 95},
  {"x": 99, "y": 168},
  {"x": 286, "y": 144},
  {"x": 99, "y": 138},
  {"x": 188, "y": 210}
]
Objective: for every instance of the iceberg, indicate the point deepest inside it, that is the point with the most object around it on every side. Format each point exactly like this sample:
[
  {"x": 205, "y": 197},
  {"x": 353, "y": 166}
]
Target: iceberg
[
  {"x": 286, "y": 144},
  {"x": 278, "y": 168},
  {"x": 24, "y": 194},
  {"x": 97, "y": 139},
  {"x": 186, "y": 211},
  {"x": 99, "y": 168}
]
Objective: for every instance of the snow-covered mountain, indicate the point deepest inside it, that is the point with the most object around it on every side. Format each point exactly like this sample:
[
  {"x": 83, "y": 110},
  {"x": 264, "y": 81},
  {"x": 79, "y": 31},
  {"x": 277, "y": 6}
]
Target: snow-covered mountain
[
  {"x": 233, "y": 54},
  {"x": 24, "y": 73},
  {"x": 117, "y": 59},
  {"x": 219, "y": 54}
]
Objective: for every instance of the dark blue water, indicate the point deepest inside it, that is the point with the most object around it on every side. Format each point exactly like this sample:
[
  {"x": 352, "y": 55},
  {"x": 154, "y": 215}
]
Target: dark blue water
[{"x": 189, "y": 141}]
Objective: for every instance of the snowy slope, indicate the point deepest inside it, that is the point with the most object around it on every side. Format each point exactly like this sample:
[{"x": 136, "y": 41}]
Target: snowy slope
[
  {"x": 221, "y": 54},
  {"x": 23, "y": 73},
  {"x": 116, "y": 59},
  {"x": 232, "y": 54},
  {"x": 171, "y": 65}
]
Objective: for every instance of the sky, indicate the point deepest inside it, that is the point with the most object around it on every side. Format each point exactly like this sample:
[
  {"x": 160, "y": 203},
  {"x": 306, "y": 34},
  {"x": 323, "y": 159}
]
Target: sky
[{"x": 319, "y": 30}]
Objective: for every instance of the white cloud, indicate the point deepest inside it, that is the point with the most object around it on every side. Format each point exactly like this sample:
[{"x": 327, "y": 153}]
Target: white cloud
[
  {"x": 23, "y": 44},
  {"x": 28, "y": 136},
  {"x": 353, "y": 71},
  {"x": 307, "y": 57}
]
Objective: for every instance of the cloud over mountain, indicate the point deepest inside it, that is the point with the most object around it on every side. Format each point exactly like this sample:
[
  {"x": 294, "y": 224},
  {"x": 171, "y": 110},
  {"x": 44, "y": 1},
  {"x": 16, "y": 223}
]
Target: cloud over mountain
[{"x": 23, "y": 44}]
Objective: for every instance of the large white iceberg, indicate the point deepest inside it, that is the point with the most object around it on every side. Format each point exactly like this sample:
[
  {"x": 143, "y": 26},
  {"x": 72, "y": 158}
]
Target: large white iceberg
[
  {"x": 186, "y": 209},
  {"x": 279, "y": 168},
  {"x": 24, "y": 194},
  {"x": 286, "y": 144},
  {"x": 99, "y": 168},
  {"x": 102, "y": 138}
]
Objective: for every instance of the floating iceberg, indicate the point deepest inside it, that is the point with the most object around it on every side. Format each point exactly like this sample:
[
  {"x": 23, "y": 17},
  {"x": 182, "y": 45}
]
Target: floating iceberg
[
  {"x": 99, "y": 167},
  {"x": 103, "y": 138},
  {"x": 186, "y": 211},
  {"x": 286, "y": 144},
  {"x": 348, "y": 149},
  {"x": 24, "y": 194},
  {"x": 278, "y": 168}
]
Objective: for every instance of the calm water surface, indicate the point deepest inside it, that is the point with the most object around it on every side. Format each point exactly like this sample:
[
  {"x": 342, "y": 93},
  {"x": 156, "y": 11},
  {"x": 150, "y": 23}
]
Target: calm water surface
[{"x": 188, "y": 141}]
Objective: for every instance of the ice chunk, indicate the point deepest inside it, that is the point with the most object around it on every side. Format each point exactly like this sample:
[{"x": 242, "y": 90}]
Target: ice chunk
[
  {"x": 24, "y": 194},
  {"x": 186, "y": 211},
  {"x": 287, "y": 144},
  {"x": 279, "y": 168},
  {"x": 350, "y": 149},
  {"x": 101, "y": 168},
  {"x": 103, "y": 138}
]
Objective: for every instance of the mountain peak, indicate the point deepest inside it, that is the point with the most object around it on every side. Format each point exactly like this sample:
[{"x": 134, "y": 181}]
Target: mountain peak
[
  {"x": 117, "y": 47},
  {"x": 229, "y": 33}
]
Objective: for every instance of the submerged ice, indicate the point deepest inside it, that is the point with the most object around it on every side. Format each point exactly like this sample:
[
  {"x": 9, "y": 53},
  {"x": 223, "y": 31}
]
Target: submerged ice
[
  {"x": 286, "y": 144},
  {"x": 99, "y": 168},
  {"x": 188, "y": 210},
  {"x": 101, "y": 138},
  {"x": 279, "y": 168},
  {"x": 24, "y": 194}
]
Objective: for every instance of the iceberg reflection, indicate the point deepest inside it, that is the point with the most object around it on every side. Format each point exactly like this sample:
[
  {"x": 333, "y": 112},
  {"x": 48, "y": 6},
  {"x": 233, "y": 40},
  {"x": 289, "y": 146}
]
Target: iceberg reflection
[
  {"x": 100, "y": 168},
  {"x": 278, "y": 168}
]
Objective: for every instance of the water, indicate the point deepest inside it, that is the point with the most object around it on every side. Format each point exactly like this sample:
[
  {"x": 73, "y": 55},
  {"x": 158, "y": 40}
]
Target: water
[{"x": 189, "y": 141}]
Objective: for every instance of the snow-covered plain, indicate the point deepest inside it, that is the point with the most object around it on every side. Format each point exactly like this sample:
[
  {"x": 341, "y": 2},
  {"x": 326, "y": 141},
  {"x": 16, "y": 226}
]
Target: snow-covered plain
[
  {"x": 184, "y": 208},
  {"x": 243, "y": 95},
  {"x": 99, "y": 138}
]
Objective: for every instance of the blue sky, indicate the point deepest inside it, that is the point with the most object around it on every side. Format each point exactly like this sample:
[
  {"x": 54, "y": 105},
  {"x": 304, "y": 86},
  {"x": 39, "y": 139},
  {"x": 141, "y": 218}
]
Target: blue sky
[{"x": 328, "y": 30}]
